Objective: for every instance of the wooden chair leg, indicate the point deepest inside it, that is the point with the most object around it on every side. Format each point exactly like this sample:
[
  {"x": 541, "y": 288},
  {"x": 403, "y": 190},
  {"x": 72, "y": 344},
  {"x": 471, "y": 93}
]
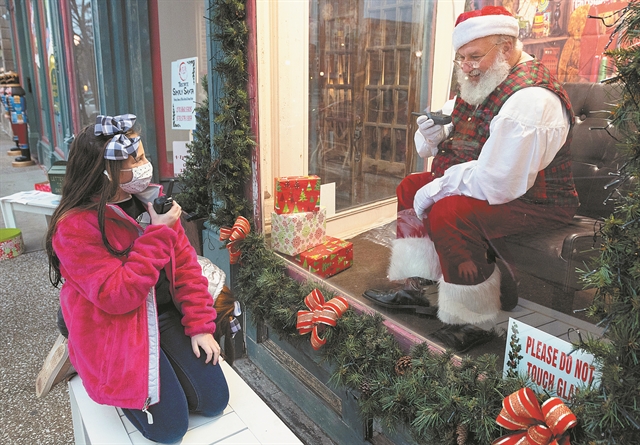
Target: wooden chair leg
[{"x": 562, "y": 300}]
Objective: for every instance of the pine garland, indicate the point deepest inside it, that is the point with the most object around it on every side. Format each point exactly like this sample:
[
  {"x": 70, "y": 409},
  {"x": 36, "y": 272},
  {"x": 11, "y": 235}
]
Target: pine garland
[
  {"x": 433, "y": 395},
  {"x": 232, "y": 140}
]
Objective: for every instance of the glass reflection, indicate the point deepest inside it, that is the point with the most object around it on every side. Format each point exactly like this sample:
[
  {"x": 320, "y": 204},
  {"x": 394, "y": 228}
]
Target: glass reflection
[
  {"x": 84, "y": 60},
  {"x": 362, "y": 89},
  {"x": 377, "y": 150}
]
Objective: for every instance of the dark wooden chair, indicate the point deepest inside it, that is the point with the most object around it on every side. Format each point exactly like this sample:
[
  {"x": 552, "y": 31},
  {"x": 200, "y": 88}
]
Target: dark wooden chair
[{"x": 554, "y": 256}]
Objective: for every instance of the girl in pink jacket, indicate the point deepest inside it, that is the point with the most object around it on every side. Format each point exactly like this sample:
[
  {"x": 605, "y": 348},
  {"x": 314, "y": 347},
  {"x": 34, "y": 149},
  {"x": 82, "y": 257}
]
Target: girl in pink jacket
[{"x": 136, "y": 305}]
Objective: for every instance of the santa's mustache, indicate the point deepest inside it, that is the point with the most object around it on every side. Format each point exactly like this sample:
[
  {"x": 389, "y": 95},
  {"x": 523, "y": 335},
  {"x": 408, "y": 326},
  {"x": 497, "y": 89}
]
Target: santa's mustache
[{"x": 472, "y": 73}]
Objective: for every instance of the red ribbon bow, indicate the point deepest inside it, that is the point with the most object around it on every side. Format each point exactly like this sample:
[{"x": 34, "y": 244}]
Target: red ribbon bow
[
  {"x": 542, "y": 425},
  {"x": 235, "y": 234},
  {"x": 321, "y": 312}
]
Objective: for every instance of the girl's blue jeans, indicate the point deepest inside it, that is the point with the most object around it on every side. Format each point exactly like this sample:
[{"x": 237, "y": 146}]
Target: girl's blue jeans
[{"x": 187, "y": 385}]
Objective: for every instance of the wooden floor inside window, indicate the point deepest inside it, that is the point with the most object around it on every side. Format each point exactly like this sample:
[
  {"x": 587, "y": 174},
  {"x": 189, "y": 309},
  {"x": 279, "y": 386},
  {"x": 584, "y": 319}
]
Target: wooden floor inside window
[{"x": 371, "y": 255}]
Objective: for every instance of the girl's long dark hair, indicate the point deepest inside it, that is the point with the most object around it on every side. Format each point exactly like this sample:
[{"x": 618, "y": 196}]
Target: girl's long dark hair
[{"x": 85, "y": 186}]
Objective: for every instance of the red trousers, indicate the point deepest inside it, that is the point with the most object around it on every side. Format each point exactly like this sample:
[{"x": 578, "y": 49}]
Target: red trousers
[{"x": 465, "y": 229}]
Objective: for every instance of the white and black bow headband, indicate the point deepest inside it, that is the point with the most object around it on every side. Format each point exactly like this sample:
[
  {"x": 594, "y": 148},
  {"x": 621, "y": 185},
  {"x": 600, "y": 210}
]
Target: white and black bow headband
[{"x": 120, "y": 146}]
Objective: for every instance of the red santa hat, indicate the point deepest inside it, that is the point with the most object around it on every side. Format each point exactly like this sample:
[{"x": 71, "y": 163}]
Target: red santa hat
[{"x": 488, "y": 21}]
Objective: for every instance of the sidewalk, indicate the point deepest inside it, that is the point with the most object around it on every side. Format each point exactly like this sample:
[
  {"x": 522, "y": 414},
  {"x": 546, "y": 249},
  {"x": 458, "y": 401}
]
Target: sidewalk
[{"x": 28, "y": 305}]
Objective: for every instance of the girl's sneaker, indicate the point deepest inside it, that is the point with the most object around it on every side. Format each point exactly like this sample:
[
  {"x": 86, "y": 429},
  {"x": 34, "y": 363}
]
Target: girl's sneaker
[{"x": 55, "y": 369}]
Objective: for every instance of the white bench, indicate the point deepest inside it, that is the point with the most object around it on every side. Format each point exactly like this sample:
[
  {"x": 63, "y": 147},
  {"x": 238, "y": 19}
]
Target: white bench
[
  {"x": 246, "y": 420},
  {"x": 32, "y": 201}
]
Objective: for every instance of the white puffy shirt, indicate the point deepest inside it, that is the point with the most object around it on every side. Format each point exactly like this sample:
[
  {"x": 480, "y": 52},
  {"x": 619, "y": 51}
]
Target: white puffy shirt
[{"x": 525, "y": 136}]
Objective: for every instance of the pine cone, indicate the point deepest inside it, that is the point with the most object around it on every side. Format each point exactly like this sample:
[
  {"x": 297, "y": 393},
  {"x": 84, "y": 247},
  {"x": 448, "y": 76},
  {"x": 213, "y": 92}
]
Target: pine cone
[
  {"x": 463, "y": 433},
  {"x": 366, "y": 389},
  {"x": 403, "y": 365}
]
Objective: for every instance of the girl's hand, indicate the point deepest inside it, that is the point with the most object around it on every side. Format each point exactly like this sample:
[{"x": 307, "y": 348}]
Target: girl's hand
[
  {"x": 208, "y": 344},
  {"x": 168, "y": 219}
]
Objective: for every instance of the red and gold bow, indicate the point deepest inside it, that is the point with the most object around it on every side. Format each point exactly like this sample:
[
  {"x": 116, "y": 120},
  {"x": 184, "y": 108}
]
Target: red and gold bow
[
  {"x": 535, "y": 424},
  {"x": 235, "y": 234},
  {"x": 321, "y": 312}
]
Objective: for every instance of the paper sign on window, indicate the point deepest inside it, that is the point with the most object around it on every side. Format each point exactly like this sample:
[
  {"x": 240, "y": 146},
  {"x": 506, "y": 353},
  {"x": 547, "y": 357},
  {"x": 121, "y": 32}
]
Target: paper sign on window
[{"x": 183, "y": 94}]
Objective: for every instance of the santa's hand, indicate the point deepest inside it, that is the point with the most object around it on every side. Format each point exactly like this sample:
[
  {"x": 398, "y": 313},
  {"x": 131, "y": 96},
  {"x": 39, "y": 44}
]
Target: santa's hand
[
  {"x": 433, "y": 134},
  {"x": 422, "y": 201}
]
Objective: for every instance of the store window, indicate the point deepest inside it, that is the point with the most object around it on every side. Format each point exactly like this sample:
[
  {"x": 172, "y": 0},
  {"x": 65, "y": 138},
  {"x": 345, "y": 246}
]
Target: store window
[
  {"x": 367, "y": 69},
  {"x": 370, "y": 66},
  {"x": 35, "y": 35},
  {"x": 52, "y": 71},
  {"x": 182, "y": 28},
  {"x": 84, "y": 61}
]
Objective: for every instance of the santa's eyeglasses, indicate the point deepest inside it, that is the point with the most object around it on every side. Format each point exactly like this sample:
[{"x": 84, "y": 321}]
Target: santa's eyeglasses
[{"x": 474, "y": 61}]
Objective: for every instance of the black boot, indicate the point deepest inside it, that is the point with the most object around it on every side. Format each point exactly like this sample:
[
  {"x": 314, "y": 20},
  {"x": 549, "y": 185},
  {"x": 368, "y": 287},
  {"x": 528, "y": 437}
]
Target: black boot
[
  {"x": 508, "y": 279},
  {"x": 508, "y": 287},
  {"x": 401, "y": 299},
  {"x": 462, "y": 337}
]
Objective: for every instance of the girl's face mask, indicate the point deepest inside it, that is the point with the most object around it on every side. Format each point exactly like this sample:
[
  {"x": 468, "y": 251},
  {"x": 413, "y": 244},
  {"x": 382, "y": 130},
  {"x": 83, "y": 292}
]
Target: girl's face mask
[{"x": 141, "y": 178}]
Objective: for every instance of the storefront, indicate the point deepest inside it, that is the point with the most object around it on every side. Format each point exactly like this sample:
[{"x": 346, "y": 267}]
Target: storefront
[
  {"x": 336, "y": 84},
  {"x": 332, "y": 85},
  {"x": 336, "y": 81},
  {"x": 80, "y": 58}
]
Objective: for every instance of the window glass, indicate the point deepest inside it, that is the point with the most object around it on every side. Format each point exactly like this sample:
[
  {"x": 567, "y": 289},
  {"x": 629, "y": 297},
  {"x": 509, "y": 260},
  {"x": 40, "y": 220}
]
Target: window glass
[
  {"x": 365, "y": 65},
  {"x": 366, "y": 78},
  {"x": 84, "y": 63},
  {"x": 53, "y": 73},
  {"x": 36, "y": 51},
  {"x": 182, "y": 26}
]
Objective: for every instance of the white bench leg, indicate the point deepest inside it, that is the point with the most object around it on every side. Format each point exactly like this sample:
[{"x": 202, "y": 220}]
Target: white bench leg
[
  {"x": 103, "y": 425},
  {"x": 79, "y": 433}
]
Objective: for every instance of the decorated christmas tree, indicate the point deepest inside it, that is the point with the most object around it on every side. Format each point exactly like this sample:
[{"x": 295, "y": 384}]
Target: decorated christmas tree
[{"x": 610, "y": 413}]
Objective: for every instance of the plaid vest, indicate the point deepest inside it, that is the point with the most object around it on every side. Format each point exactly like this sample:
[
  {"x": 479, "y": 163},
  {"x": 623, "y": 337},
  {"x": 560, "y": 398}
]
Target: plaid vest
[{"x": 553, "y": 185}]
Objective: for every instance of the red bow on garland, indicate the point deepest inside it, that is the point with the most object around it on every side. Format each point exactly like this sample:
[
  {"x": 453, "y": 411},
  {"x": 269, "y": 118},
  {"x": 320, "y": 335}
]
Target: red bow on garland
[
  {"x": 321, "y": 312},
  {"x": 544, "y": 425},
  {"x": 235, "y": 234}
]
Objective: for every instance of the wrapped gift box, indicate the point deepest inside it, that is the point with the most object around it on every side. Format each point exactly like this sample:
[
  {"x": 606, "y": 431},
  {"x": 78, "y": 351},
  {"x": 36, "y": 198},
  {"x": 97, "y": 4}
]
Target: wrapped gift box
[
  {"x": 11, "y": 244},
  {"x": 43, "y": 186},
  {"x": 296, "y": 194},
  {"x": 293, "y": 233},
  {"x": 327, "y": 259}
]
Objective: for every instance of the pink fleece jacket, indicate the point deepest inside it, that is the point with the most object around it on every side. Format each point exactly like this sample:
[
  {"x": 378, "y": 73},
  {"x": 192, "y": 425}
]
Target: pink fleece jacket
[{"x": 108, "y": 302}]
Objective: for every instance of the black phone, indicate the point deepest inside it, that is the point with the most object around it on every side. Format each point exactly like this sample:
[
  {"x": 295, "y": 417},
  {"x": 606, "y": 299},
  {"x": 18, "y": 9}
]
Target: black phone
[
  {"x": 162, "y": 204},
  {"x": 438, "y": 117}
]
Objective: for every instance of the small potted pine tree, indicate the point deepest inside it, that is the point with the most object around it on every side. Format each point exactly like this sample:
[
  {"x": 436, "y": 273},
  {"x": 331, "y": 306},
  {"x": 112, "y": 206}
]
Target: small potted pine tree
[{"x": 196, "y": 194}]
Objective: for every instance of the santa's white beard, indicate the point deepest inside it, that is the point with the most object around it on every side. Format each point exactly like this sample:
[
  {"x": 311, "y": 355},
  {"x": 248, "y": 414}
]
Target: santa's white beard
[{"x": 475, "y": 92}]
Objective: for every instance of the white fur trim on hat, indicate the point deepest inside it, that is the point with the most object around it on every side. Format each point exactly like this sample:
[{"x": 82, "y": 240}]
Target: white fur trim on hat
[
  {"x": 482, "y": 26},
  {"x": 475, "y": 304},
  {"x": 414, "y": 257}
]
